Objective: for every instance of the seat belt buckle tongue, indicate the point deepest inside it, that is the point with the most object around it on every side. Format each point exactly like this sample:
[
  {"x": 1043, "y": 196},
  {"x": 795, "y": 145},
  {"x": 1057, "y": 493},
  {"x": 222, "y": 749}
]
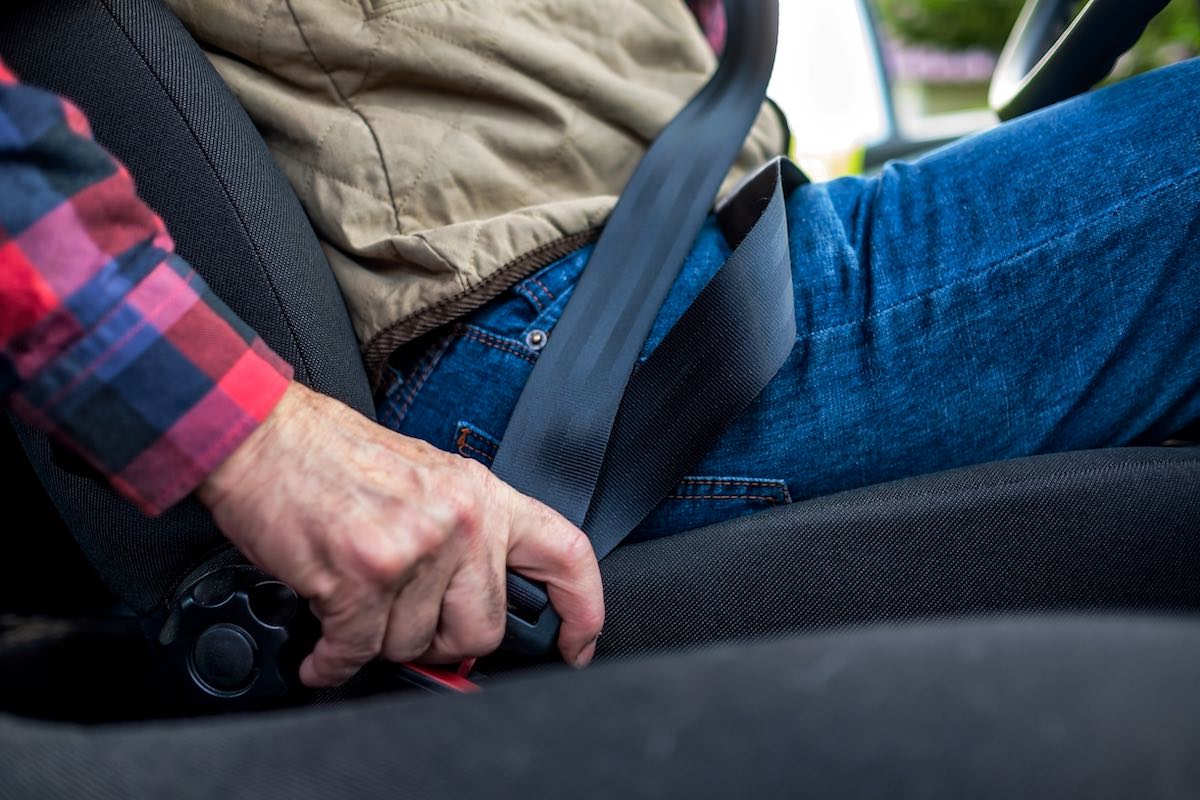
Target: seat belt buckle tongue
[
  {"x": 532, "y": 625},
  {"x": 534, "y": 635}
]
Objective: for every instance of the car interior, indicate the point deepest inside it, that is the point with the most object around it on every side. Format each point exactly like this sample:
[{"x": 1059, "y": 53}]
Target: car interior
[{"x": 994, "y": 630}]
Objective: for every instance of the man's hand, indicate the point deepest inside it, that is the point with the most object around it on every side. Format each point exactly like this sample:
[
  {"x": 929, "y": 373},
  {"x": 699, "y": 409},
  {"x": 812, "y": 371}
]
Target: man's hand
[{"x": 400, "y": 547}]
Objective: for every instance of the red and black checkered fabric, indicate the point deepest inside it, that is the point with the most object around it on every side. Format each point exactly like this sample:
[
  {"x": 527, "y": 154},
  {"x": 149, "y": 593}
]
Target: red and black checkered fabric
[{"x": 108, "y": 340}]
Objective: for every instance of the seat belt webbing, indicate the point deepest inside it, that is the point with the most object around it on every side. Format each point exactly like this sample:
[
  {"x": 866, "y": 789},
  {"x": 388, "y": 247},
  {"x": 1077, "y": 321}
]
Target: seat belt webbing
[{"x": 586, "y": 438}]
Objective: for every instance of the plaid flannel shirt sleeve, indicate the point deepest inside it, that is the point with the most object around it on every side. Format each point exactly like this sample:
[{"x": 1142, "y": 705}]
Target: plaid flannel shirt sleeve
[
  {"x": 108, "y": 340},
  {"x": 710, "y": 15}
]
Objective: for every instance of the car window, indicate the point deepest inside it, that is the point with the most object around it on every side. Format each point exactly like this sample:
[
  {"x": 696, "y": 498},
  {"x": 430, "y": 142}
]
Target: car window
[
  {"x": 829, "y": 81},
  {"x": 905, "y": 75}
]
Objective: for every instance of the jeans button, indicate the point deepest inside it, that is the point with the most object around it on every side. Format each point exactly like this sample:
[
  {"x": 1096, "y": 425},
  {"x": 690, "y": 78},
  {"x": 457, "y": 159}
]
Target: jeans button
[{"x": 535, "y": 339}]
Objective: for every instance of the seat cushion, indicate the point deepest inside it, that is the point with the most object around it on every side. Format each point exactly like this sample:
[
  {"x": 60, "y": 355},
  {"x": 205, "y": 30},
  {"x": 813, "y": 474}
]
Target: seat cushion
[
  {"x": 1088, "y": 531},
  {"x": 1072, "y": 708}
]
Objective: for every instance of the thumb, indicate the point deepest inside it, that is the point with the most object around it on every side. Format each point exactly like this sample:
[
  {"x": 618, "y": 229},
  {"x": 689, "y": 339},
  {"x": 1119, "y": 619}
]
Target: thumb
[{"x": 545, "y": 547}]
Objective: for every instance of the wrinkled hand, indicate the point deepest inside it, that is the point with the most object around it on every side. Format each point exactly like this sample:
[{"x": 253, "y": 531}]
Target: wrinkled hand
[{"x": 400, "y": 547}]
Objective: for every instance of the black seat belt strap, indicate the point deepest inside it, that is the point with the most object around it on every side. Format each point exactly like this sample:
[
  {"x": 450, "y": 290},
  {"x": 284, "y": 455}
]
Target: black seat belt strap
[
  {"x": 725, "y": 348},
  {"x": 729, "y": 343},
  {"x": 557, "y": 443}
]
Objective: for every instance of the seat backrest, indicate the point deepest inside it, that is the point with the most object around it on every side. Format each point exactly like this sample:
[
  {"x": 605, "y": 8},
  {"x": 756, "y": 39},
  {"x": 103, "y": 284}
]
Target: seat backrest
[{"x": 157, "y": 104}]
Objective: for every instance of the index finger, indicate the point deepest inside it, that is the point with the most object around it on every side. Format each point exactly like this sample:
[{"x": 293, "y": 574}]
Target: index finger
[{"x": 350, "y": 637}]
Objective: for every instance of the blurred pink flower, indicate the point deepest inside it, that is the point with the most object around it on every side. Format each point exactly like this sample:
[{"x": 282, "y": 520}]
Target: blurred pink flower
[{"x": 930, "y": 65}]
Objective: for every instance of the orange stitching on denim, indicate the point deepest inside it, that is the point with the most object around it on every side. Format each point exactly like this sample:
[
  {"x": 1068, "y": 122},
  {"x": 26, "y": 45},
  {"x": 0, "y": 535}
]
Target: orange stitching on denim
[
  {"x": 486, "y": 456},
  {"x": 462, "y": 445},
  {"x": 493, "y": 341},
  {"x": 467, "y": 430},
  {"x": 549, "y": 293},
  {"x": 698, "y": 482},
  {"x": 785, "y": 498},
  {"x": 533, "y": 298},
  {"x": 770, "y": 500}
]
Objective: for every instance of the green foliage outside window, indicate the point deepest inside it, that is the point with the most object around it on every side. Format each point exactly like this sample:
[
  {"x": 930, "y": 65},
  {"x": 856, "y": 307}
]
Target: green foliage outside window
[{"x": 964, "y": 24}]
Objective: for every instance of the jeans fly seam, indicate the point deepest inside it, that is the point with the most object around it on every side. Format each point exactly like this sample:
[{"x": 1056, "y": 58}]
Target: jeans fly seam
[{"x": 434, "y": 358}]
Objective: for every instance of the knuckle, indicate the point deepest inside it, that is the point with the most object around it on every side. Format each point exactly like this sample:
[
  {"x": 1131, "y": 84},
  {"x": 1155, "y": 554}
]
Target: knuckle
[
  {"x": 408, "y": 647},
  {"x": 467, "y": 514},
  {"x": 586, "y": 614},
  {"x": 577, "y": 549},
  {"x": 348, "y": 657},
  {"x": 379, "y": 560},
  {"x": 493, "y": 635},
  {"x": 336, "y": 604},
  {"x": 474, "y": 471},
  {"x": 452, "y": 648},
  {"x": 364, "y": 653},
  {"x": 591, "y": 619},
  {"x": 488, "y": 632},
  {"x": 478, "y": 639},
  {"x": 321, "y": 592},
  {"x": 425, "y": 536},
  {"x": 447, "y": 653}
]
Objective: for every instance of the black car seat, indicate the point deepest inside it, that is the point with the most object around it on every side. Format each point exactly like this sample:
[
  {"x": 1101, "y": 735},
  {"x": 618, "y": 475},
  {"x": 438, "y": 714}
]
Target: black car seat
[
  {"x": 1106, "y": 531},
  {"x": 1087, "y": 709}
]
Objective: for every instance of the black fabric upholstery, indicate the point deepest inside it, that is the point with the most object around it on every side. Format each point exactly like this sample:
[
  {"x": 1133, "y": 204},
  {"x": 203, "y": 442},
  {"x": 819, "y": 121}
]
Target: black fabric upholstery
[
  {"x": 1063, "y": 709},
  {"x": 1078, "y": 707},
  {"x": 1113, "y": 530},
  {"x": 140, "y": 559},
  {"x": 155, "y": 102},
  {"x": 46, "y": 573},
  {"x": 1100, "y": 530}
]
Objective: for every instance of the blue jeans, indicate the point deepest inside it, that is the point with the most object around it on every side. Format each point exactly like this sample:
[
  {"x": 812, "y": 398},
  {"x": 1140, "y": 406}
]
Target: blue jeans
[{"x": 1032, "y": 289}]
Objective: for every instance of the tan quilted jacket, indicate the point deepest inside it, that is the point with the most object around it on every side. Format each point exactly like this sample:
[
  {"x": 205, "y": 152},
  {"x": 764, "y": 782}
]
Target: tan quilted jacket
[{"x": 445, "y": 149}]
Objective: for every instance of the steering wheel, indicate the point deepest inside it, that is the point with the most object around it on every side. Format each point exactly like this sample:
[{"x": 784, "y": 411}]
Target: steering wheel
[{"x": 1050, "y": 57}]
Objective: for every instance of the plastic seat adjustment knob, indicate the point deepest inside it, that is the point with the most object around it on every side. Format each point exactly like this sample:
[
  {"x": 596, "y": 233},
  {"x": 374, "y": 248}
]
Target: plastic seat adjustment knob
[
  {"x": 236, "y": 637},
  {"x": 225, "y": 658}
]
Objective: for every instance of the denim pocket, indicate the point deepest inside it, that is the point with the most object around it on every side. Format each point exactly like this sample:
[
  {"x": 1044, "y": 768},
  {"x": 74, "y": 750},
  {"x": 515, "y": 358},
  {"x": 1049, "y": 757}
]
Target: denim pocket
[
  {"x": 697, "y": 501},
  {"x": 473, "y": 443},
  {"x": 701, "y": 500}
]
